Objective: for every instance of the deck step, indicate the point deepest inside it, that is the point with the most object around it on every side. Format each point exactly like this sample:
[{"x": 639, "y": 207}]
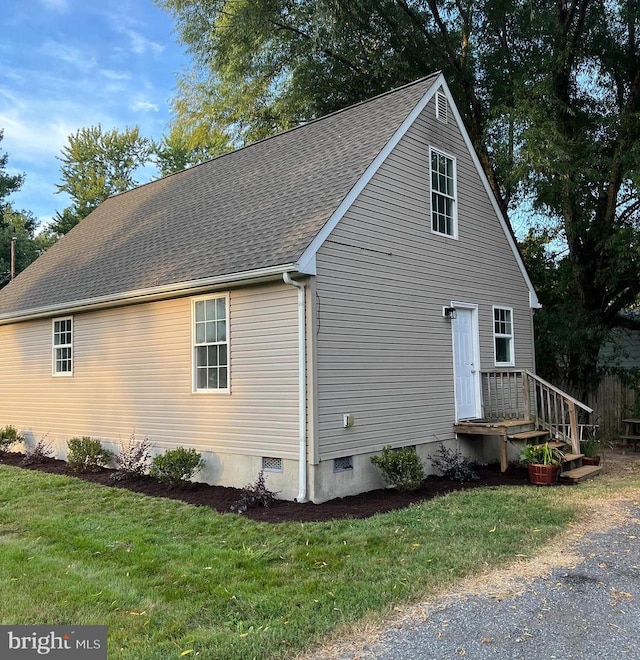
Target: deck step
[
  {"x": 528, "y": 435},
  {"x": 557, "y": 444},
  {"x": 581, "y": 473},
  {"x": 567, "y": 458}
]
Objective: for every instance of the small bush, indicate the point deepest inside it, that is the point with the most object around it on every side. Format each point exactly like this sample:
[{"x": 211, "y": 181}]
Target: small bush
[
  {"x": 41, "y": 452},
  {"x": 132, "y": 460},
  {"x": 87, "y": 455},
  {"x": 401, "y": 468},
  {"x": 9, "y": 436},
  {"x": 256, "y": 494},
  {"x": 176, "y": 466},
  {"x": 454, "y": 465}
]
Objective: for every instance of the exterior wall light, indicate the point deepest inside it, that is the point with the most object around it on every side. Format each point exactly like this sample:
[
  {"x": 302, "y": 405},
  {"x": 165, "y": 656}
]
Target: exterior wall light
[{"x": 449, "y": 313}]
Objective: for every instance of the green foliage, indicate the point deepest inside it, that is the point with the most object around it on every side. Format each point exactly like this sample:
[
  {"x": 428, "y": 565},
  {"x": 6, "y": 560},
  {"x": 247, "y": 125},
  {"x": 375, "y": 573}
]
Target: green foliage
[
  {"x": 181, "y": 149},
  {"x": 9, "y": 436},
  {"x": 95, "y": 165},
  {"x": 132, "y": 459},
  {"x": 20, "y": 225},
  {"x": 401, "y": 468},
  {"x": 256, "y": 494},
  {"x": 14, "y": 224},
  {"x": 591, "y": 447},
  {"x": 454, "y": 465},
  {"x": 541, "y": 454},
  {"x": 9, "y": 183},
  {"x": 87, "y": 455},
  {"x": 176, "y": 466}
]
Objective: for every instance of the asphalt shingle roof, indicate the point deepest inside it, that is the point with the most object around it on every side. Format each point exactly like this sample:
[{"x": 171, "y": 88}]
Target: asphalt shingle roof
[{"x": 253, "y": 208}]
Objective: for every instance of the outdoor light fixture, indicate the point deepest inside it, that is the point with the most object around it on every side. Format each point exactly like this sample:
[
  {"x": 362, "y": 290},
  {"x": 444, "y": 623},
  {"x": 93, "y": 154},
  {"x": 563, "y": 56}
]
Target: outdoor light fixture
[{"x": 449, "y": 312}]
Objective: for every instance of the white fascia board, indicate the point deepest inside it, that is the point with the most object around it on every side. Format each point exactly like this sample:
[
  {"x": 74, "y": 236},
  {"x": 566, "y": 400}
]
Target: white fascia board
[
  {"x": 307, "y": 262},
  {"x": 533, "y": 298},
  {"x": 150, "y": 294}
]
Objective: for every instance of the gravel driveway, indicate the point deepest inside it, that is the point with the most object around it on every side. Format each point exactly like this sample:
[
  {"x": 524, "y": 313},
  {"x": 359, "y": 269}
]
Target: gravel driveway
[
  {"x": 591, "y": 610},
  {"x": 584, "y": 604}
]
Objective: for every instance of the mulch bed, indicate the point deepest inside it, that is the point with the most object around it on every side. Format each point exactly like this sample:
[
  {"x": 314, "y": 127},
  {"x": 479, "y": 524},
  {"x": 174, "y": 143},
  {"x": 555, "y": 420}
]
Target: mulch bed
[{"x": 222, "y": 498}]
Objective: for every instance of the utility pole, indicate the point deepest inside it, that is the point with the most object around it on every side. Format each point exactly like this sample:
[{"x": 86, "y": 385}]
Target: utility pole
[{"x": 13, "y": 257}]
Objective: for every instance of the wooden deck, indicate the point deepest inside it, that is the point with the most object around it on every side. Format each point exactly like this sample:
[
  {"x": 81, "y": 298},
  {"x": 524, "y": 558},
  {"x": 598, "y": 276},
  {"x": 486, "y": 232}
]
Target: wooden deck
[
  {"x": 502, "y": 428},
  {"x": 512, "y": 430}
]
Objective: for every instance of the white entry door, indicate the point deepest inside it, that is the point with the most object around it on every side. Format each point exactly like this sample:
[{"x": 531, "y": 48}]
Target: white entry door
[{"x": 466, "y": 362}]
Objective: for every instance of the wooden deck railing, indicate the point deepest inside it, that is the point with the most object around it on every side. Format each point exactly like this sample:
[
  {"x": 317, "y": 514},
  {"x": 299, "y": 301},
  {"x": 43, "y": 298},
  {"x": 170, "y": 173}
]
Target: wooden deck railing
[{"x": 523, "y": 395}]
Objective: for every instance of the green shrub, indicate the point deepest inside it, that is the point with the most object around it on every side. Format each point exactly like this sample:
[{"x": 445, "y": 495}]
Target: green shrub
[
  {"x": 9, "y": 436},
  {"x": 176, "y": 466},
  {"x": 401, "y": 468},
  {"x": 87, "y": 455}
]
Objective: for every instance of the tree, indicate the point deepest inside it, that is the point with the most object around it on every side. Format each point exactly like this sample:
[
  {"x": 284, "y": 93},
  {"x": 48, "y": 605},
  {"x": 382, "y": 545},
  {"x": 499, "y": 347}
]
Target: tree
[
  {"x": 182, "y": 148},
  {"x": 18, "y": 225},
  {"x": 549, "y": 91},
  {"x": 8, "y": 183},
  {"x": 95, "y": 165}
]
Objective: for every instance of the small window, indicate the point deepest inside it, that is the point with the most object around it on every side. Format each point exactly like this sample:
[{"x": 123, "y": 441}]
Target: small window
[
  {"x": 343, "y": 464},
  {"x": 443, "y": 194},
  {"x": 63, "y": 347},
  {"x": 442, "y": 109},
  {"x": 211, "y": 344},
  {"x": 270, "y": 464},
  {"x": 503, "y": 336}
]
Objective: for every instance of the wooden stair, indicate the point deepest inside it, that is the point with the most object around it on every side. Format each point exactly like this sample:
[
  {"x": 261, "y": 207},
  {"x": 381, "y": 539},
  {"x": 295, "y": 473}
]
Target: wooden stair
[
  {"x": 528, "y": 435},
  {"x": 571, "y": 469},
  {"x": 580, "y": 473}
]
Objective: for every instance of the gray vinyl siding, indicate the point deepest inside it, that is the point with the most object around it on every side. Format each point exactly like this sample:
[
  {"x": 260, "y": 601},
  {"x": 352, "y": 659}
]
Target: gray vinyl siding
[
  {"x": 384, "y": 350},
  {"x": 132, "y": 371}
]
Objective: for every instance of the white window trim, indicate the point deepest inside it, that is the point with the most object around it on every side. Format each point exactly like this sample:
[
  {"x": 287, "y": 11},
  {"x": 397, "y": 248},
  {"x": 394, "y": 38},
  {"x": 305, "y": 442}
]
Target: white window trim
[
  {"x": 54, "y": 347},
  {"x": 512, "y": 362},
  {"x": 194, "y": 374},
  {"x": 454, "y": 218}
]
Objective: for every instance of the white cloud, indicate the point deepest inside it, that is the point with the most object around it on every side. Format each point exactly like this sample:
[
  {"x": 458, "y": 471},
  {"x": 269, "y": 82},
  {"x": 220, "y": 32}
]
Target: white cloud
[
  {"x": 115, "y": 75},
  {"x": 144, "y": 106},
  {"x": 76, "y": 57},
  {"x": 140, "y": 45},
  {"x": 60, "y": 6}
]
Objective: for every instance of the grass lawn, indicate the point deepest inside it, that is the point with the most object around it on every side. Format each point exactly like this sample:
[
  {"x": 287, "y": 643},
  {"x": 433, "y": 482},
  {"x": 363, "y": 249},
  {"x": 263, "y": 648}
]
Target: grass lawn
[{"x": 173, "y": 580}]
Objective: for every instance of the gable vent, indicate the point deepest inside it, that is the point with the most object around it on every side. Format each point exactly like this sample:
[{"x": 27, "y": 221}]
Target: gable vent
[{"x": 441, "y": 107}]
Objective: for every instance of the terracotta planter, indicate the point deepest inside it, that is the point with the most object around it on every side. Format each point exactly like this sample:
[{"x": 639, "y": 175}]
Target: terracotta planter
[
  {"x": 543, "y": 475},
  {"x": 591, "y": 460}
]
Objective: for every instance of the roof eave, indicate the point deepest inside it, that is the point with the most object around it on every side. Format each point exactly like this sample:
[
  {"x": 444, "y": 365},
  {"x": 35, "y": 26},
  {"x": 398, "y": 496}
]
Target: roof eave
[{"x": 150, "y": 294}]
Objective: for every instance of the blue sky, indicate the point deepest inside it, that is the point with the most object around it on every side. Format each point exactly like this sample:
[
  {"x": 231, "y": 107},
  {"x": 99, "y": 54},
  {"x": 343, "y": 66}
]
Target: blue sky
[{"x": 70, "y": 64}]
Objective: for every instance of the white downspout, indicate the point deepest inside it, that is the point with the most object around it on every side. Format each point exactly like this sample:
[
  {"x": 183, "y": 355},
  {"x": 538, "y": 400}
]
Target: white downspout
[{"x": 302, "y": 387}]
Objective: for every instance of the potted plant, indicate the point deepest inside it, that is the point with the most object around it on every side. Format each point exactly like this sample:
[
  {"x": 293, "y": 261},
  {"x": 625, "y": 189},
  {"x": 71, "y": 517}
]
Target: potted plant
[
  {"x": 543, "y": 463},
  {"x": 591, "y": 449}
]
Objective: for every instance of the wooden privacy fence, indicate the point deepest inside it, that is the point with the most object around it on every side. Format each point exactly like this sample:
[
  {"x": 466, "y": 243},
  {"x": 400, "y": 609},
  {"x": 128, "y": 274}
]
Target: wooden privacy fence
[{"x": 613, "y": 401}]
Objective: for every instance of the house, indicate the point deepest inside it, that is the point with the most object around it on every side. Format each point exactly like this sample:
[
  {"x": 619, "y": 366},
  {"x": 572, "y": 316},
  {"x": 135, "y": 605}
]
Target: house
[
  {"x": 292, "y": 306},
  {"x": 622, "y": 350}
]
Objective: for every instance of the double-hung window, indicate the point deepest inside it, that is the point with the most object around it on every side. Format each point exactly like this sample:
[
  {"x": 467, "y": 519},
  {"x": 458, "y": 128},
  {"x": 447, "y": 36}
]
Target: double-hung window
[
  {"x": 63, "y": 347},
  {"x": 503, "y": 336},
  {"x": 211, "y": 344},
  {"x": 443, "y": 194}
]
